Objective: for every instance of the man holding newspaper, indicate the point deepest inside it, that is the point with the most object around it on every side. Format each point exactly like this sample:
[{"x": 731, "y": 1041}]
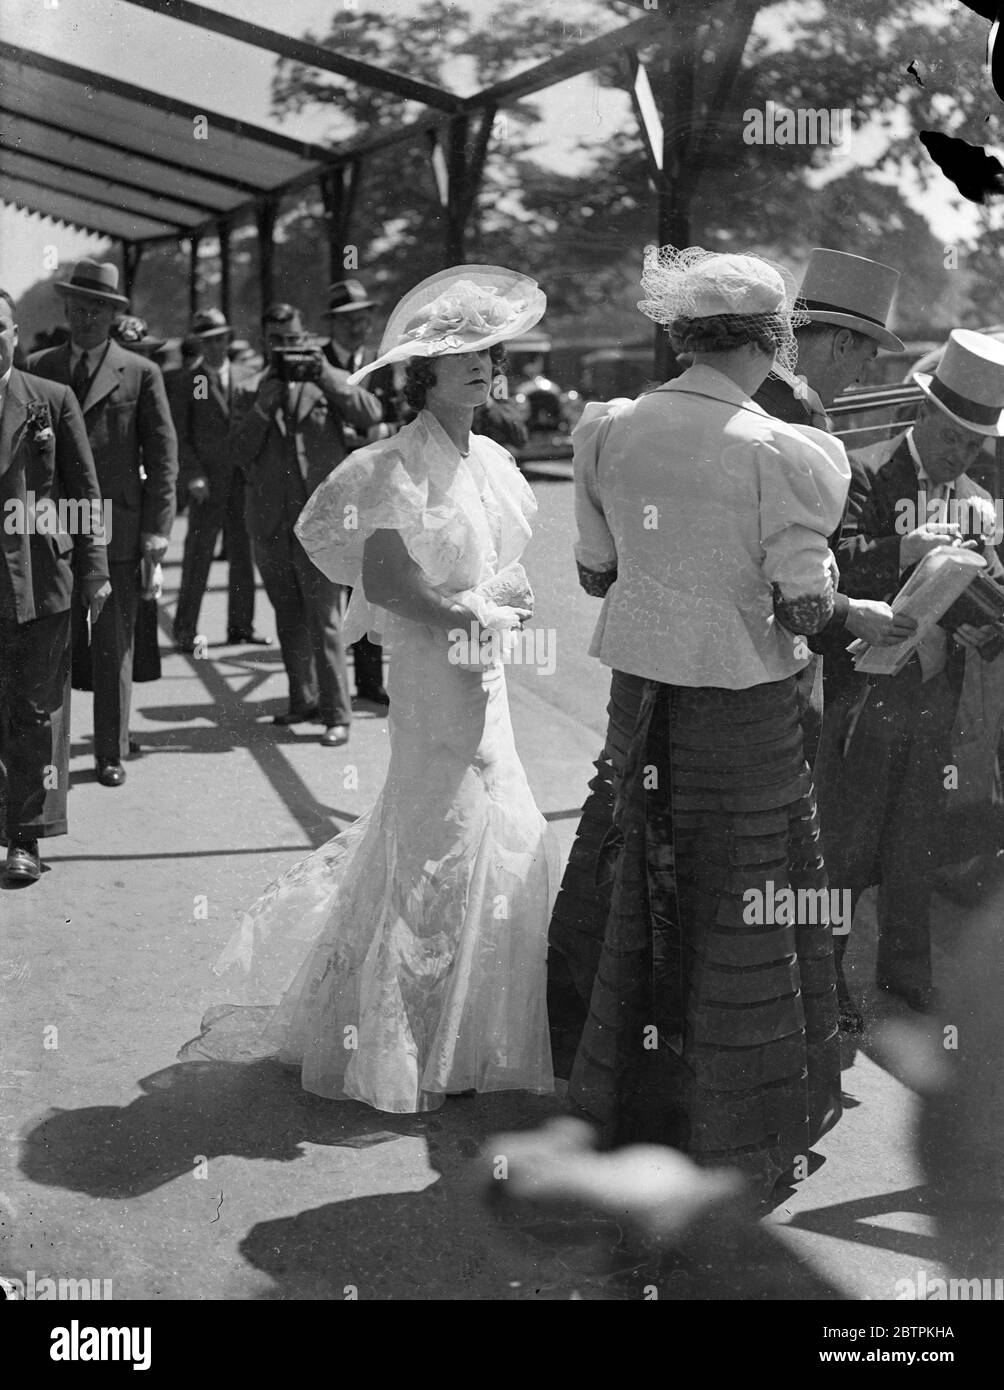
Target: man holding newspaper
[{"x": 883, "y": 772}]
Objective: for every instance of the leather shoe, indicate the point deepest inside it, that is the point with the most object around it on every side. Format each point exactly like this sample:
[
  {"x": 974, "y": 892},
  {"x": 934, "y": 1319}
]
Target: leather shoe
[
  {"x": 248, "y": 639},
  {"x": 376, "y": 694},
  {"x": 335, "y": 735},
  {"x": 110, "y": 772},
  {"x": 135, "y": 748},
  {"x": 23, "y": 861},
  {"x": 923, "y": 999},
  {"x": 297, "y": 716},
  {"x": 186, "y": 645}
]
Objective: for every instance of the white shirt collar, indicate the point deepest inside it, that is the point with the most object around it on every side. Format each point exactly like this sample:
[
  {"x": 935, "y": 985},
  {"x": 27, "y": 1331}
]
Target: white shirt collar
[{"x": 94, "y": 354}]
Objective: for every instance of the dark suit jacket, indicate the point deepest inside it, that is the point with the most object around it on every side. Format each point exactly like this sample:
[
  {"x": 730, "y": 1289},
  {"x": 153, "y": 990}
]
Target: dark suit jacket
[
  {"x": 869, "y": 546},
  {"x": 203, "y": 417},
  {"x": 779, "y": 400},
  {"x": 59, "y": 468},
  {"x": 128, "y": 424},
  {"x": 379, "y": 383},
  {"x": 284, "y": 465}
]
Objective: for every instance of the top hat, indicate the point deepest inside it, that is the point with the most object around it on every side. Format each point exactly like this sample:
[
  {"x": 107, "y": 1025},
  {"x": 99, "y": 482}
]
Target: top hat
[
  {"x": 464, "y": 309},
  {"x": 96, "y": 279},
  {"x": 851, "y": 292},
  {"x": 209, "y": 323},
  {"x": 968, "y": 382},
  {"x": 346, "y": 296}
]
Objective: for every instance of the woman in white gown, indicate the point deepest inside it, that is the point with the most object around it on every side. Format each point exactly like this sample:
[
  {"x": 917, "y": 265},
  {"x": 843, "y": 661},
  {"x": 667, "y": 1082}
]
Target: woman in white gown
[{"x": 420, "y": 931}]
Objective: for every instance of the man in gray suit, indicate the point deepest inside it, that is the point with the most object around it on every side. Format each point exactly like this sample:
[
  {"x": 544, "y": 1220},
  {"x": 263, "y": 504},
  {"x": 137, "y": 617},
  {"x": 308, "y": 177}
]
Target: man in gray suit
[
  {"x": 129, "y": 428},
  {"x": 288, "y": 437},
  {"x": 203, "y": 400}
]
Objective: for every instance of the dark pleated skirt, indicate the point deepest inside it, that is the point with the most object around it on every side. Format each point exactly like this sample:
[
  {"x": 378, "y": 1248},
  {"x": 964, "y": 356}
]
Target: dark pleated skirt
[{"x": 705, "y": 1030}]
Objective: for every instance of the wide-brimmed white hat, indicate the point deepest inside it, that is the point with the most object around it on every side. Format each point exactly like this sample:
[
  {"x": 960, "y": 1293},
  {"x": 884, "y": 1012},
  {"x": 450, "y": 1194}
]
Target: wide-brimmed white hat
[
  {"x": 850, "y": 292},
  {"x": 464, "y": 309},
  {"x": 968, "y": 382}
]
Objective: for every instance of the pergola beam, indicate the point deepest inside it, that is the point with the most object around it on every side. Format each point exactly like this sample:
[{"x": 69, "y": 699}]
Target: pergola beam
[
  {"x": 131, "y": 151},
  {"x": 302, "y": 51},
  {"x": 577, "y": 60},
  {"x": 114, "y": 181},
  {"x": 172, "y": 106},
  {"x": 179, "y": 228}
]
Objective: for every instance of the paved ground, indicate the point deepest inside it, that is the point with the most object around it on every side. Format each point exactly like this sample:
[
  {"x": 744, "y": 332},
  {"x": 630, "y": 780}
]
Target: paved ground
[{"x": 203, "y": 1179}]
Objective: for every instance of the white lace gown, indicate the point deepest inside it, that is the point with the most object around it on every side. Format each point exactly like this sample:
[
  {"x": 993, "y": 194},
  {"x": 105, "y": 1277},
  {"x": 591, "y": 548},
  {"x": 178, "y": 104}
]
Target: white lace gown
[{"x": 420, "y": 932}]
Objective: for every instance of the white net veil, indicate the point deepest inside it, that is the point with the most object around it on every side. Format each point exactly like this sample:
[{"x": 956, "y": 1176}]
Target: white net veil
[{"x": 746, "y": 291}]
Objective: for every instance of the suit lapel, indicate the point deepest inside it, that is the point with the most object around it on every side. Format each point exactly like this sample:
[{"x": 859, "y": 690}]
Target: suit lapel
[
  {"x": 895, "y": 481},
  {"x": 106, "y": 378},
  {"x": 221, "y": 397},
  {"x": 12, "y": 421},
  {"x": 306, "y": 400}
]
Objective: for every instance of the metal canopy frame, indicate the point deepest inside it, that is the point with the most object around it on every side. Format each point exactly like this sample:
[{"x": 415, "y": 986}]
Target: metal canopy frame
[{"x": 119, "y": 160}]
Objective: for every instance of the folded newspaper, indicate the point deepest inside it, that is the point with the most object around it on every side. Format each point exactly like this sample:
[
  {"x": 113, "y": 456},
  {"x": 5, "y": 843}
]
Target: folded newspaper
[{"x": 927, "y": 595}]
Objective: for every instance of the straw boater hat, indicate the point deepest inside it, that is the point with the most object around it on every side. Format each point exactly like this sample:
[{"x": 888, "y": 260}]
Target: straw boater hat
[
  {"x": 968, "y": 382},
  {"x": 851, "y": 292},
  {"x": 464, "y": 309},
  {"x": 96, "y": 280},
  {"x": 209, "y": 323}
]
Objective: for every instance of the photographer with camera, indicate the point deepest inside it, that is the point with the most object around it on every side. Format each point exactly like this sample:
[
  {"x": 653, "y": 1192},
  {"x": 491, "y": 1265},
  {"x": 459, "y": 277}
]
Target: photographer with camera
[{"x": 288, "y": 438}]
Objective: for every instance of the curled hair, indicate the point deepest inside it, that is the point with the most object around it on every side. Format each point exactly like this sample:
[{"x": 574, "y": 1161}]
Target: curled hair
[
  {"x": 420, "y": 374},
  {"x": 724, "y": 332}
]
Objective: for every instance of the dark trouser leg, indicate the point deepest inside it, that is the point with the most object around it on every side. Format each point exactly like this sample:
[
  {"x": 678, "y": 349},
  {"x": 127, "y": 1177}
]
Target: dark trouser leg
[
  {"x": 278, "y": 572},
  {"x": 204, "y": 522},
  {"x": 916, "y": 811},
  {"x": 34, "y": 661},
  {"x": 112, "y": 639},
  {"x": 809, "y": 696},
  {"x": 240, "y": 597},
  {"x": 323, "y": 606},
  {"x": 852, "y": 796}
]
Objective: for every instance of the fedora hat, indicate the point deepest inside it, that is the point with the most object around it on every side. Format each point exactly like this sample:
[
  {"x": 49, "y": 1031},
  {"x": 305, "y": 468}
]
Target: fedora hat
[
  {"x": 346, "y": 297},
  {"x": 851, "y": 292},
  {"x": 464, "y": 309},
  {"x": 97, "y": 279},
  {"x": 968, "y": 382},
  {"x": 208, "y": 323}
]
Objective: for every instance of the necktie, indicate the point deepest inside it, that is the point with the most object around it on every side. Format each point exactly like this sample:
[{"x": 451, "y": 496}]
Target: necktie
[{"x": 81, "y": 378}]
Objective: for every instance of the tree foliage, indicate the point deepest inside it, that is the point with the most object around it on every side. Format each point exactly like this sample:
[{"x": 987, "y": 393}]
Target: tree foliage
[{"x": 581, "y": 230}]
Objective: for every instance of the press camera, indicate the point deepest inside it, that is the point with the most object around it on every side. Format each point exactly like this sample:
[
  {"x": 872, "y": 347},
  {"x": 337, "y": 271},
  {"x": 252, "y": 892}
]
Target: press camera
[{"x": 297, "y": 357}]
